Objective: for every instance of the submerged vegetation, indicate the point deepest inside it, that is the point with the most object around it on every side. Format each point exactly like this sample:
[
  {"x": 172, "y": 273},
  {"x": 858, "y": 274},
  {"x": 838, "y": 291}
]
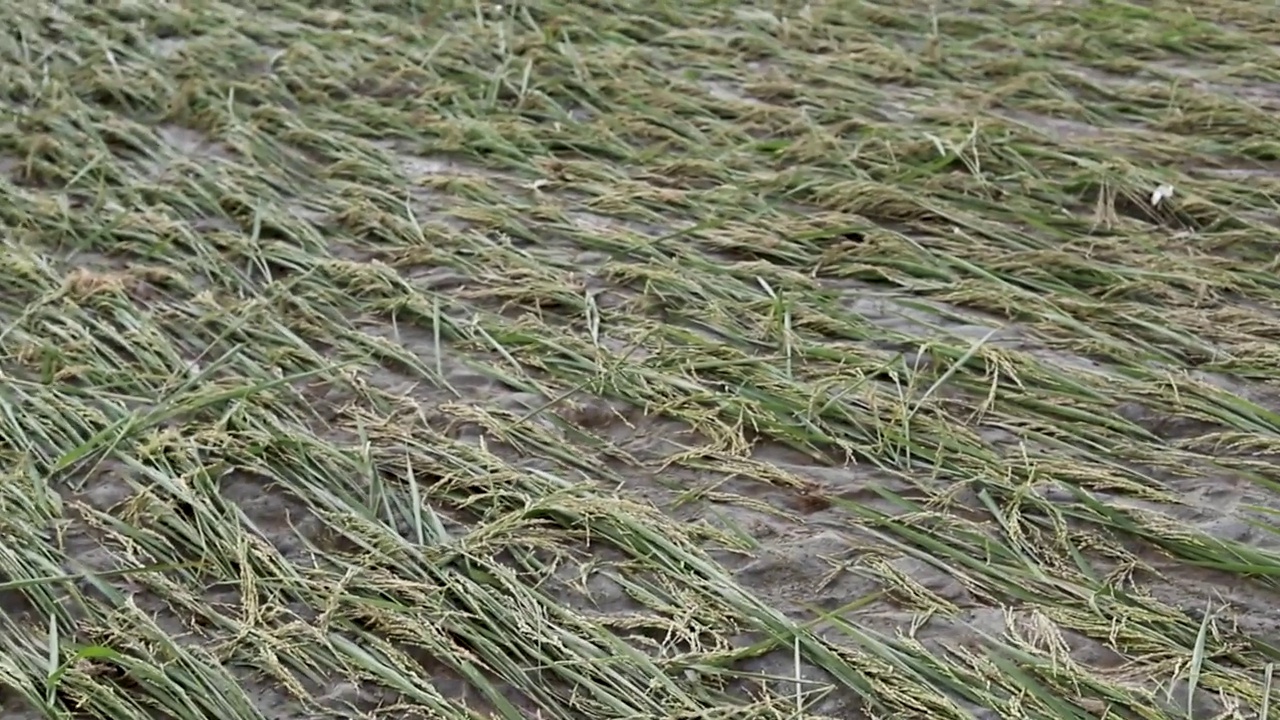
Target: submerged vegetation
[{"x": 460, "y": 360}]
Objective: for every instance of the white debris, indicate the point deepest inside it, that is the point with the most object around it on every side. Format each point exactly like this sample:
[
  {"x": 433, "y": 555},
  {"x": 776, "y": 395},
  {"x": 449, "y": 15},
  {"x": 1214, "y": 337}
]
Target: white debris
[{"x": 1162, "y": 193}]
